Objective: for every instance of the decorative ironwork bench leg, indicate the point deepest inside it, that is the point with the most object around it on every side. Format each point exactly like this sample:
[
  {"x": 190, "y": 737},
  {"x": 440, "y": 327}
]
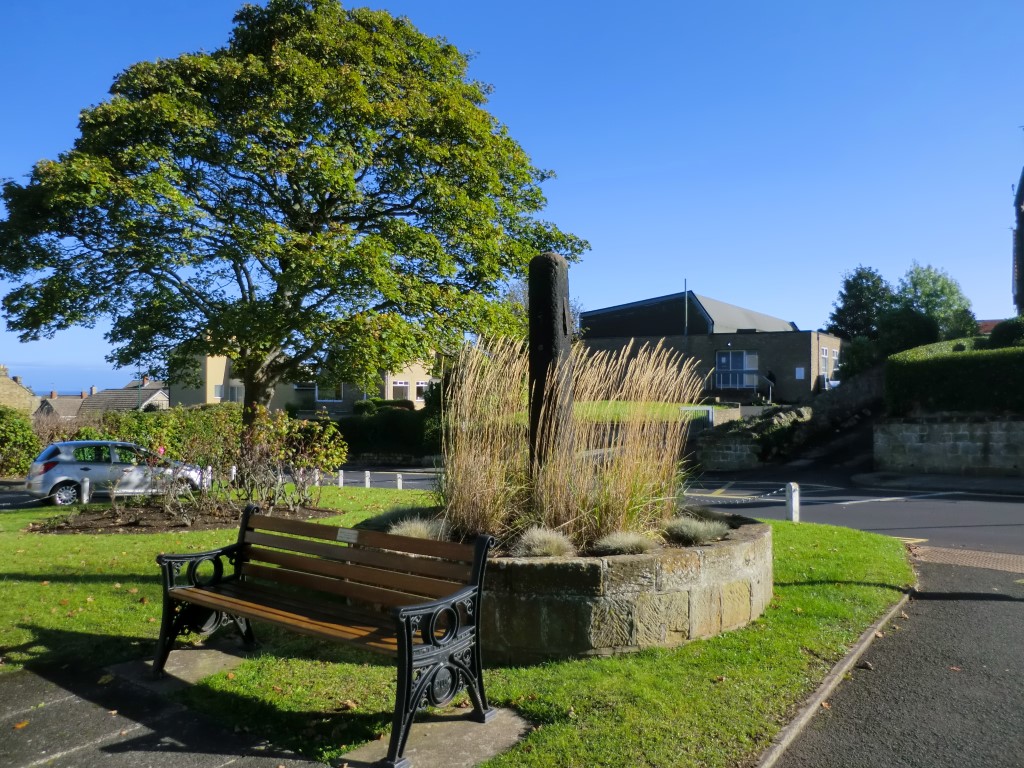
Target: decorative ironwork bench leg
[{"x": 171, "y": 626}]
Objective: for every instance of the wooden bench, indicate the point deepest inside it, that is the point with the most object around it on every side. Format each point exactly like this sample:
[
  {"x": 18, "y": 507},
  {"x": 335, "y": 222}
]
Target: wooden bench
[{"x": 415, "y": 599}]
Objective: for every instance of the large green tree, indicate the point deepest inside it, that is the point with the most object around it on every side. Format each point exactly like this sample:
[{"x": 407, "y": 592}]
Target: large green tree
[
  {"x": 864, "y": 297},
  {"x": 934, "y": 293},
  {"x": 325, "y": 196}
]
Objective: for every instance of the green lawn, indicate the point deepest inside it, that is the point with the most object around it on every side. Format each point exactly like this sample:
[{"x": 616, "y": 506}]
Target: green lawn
[{"x": 715, "y": 702}]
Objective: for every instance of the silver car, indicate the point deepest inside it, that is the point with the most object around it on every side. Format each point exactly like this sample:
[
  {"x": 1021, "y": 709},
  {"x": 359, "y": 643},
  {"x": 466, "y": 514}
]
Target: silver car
[{"x": 114, "y": 469}]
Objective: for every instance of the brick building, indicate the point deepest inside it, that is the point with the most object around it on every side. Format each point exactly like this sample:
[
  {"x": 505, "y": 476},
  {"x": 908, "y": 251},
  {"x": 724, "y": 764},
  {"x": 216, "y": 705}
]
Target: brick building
[{"x": 742, "y": 352}]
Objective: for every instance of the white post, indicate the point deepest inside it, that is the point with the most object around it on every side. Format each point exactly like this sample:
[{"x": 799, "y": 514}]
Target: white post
[
  {"x": 793, "y": 501},
  {"x": 398, "y": 481},
  {"x": 366, "y": 479},
  {"x": 86, "y": 490},
  {"x": 234, "y": 473},
  {"x": 341, "y": 478},
  {"x": 316, "y": 478}
]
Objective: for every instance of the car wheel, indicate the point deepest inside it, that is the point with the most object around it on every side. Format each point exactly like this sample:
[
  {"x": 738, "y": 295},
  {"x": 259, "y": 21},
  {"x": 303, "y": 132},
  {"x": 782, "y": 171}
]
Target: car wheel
[{"x": 65, "y": 494}]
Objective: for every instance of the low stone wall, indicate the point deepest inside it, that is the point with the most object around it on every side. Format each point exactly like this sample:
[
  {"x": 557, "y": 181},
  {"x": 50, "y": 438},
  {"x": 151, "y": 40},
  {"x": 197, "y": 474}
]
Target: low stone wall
[
  {"x": 950, "y": 444},
  {"x": 728, "y": 452},
  {"x": 536, "y": 609}
]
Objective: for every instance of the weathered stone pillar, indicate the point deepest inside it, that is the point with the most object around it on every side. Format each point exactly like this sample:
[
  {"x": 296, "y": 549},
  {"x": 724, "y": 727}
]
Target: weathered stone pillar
[{"x": 550, "y": 347}]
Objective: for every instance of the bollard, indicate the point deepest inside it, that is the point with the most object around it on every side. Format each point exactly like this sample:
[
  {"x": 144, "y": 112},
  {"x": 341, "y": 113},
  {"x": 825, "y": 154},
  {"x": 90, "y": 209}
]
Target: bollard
[
  {"x": 366, "y": 479},
  {"x": 793, "y": 501},
  {"x": 398, "y": 481},
  {"x": 86, "y": 490},
  {"x": 341, "y": 478}
]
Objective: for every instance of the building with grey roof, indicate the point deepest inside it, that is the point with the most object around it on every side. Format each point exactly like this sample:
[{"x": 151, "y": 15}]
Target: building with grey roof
[{"x": 744, "y": 354}]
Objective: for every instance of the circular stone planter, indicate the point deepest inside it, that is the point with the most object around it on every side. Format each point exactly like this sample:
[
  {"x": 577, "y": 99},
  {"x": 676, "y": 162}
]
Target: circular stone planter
[{"x": 536, "y": 609}]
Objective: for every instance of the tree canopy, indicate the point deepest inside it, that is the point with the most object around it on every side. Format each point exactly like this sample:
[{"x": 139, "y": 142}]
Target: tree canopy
[
  {"x": 863, "y": 299},
  {"x": 934, "y": 293},
  {"x": 325, "y": 196}
]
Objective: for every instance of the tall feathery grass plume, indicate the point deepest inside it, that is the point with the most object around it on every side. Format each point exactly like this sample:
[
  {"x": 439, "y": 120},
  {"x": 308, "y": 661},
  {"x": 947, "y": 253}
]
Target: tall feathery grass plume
[{"x": 613, "y": 464}]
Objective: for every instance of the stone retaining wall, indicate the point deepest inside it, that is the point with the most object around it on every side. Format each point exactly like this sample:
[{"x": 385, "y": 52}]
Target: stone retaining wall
[
  {"x": 546, "y": 608},
  {"x": 947, "y": 444}
]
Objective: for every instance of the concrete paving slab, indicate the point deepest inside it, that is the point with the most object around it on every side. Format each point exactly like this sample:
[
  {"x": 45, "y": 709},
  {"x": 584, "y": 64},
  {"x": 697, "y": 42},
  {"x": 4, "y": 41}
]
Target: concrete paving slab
[
  {"x": 449, "y": 740},
  {"x": 23, "y": 692}
]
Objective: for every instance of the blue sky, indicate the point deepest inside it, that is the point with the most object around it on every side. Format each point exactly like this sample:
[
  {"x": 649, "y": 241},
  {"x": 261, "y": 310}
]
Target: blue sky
[{"x": 751, "y": 151}]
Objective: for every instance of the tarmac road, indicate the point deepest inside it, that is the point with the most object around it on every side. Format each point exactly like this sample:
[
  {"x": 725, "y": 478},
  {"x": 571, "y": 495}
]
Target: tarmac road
[{"x": 945, "y": 687}]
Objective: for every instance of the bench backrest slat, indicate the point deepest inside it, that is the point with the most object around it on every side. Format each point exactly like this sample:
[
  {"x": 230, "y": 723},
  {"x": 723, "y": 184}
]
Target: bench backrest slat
[
  {"x": 443, "y": 549},
  {"x": 455, "y": 572},
  {"x": 402, "y": 582},
  {"x": 308, "y": 581}
]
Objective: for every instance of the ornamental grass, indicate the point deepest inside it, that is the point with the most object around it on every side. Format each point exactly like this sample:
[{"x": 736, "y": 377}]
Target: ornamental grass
[{"x": 599, "y": 475}]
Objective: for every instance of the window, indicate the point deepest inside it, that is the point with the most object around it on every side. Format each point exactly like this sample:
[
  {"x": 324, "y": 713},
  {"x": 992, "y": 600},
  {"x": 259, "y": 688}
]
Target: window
[
  {"x": 328, "y": 393},
  {"x": 400, "y": 390},
  {"x": 421, "y": 389},
  {"x": 824, "y": 362},
  {"x": 736, "y": 369},
  {"x": 218, "y": 391}
]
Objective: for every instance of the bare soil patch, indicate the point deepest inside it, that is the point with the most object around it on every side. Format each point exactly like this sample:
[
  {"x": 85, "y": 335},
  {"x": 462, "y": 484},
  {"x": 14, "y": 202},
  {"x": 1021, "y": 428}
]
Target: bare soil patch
[{"x": 153, "y": 518}]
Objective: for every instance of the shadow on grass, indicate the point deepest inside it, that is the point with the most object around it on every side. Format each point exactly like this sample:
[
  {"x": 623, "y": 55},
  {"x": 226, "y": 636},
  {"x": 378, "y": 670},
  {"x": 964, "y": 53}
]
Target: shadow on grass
[{"x": 235, "y": 724}]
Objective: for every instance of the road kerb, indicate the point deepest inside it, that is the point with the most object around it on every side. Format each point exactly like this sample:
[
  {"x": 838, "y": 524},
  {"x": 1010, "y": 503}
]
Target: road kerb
[{"x": 811, "y": 706}]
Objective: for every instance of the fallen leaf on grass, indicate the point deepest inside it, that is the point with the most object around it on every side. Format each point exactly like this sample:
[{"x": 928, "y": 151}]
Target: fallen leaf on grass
[
  {"x": 231, "y": 675},
  {"x": 19, "y": 726}
]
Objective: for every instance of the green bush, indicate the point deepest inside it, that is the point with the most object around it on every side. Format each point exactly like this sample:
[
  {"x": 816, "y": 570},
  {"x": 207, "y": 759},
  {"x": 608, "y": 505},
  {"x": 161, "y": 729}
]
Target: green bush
[
  {"x": 929, "y": 379},
  {"x": 208, "y": 436},
  {"x": 389, "y": 430},
  {"x": 407, "y": 405},
  {"x": 1009, "y": 333},
  {"x": 364, "y": 407},
  {"x": 18, "y": 442}
]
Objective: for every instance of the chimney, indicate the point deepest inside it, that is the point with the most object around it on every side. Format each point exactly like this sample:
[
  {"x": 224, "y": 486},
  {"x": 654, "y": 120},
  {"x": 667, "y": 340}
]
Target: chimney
[
  {"x": 145, "y": 380},
  {"x": 92, "y": 390},
  {"x": 53, "y": 394}
]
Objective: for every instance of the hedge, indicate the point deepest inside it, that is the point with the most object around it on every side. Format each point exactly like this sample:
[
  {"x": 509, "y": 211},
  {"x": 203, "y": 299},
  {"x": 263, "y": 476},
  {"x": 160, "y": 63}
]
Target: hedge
[
  {"x": 987, "y": 381},
  {"x": 389, "y": 430},
  {"x": 18, "y": 442}
]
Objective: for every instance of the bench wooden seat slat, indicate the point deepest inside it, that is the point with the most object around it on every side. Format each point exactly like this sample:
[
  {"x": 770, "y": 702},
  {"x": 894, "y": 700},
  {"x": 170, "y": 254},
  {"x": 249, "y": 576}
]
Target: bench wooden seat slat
[
  {"x": 414, "y": 599},
  {"x": 226, "y": 599},
  {"x": 403, "y": 582},
  {"x": 445, "y": 549},
  {"x": 455, "y": 572}
]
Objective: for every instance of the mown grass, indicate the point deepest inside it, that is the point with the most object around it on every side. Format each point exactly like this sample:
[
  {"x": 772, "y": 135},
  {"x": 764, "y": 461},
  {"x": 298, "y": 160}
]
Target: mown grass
[{"x": 715, "y": 702}]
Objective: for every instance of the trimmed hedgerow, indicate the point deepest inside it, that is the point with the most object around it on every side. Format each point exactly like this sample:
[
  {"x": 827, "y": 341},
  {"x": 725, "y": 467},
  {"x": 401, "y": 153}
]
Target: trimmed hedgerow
[
  {"x": 921, "y": 380},
  {"x": 1009, "y": 333}
]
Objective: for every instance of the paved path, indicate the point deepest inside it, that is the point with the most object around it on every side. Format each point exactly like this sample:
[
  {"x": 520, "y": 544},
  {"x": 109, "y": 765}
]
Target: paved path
[{"x": 945, "y": 685}]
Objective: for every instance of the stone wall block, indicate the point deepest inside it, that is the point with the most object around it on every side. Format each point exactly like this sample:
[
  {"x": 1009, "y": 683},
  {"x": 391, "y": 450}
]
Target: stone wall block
[
  {"x": 735, "y": 604},
  {"x": 612, "y": 624},
  {"x": 678, "y": 569},
  {"x": 576, "y": 575},
  {"x": 626, "y": 574},
  {"x": 705, "y": 612}
]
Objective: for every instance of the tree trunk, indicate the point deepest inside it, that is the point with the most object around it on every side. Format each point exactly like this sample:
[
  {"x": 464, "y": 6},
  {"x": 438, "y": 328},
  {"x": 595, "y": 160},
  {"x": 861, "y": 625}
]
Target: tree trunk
[{"x": 258, "y": 392}]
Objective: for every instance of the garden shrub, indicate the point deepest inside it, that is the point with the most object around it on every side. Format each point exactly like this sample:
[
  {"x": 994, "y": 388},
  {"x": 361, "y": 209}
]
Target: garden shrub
[
  {"x": 388, "y": 431},
  {"x": 18, "y": 442},
  {"x": 1009, "y": 333},
  {"x": 543, "y": 542},
  {"x": 420, "y": 528},
  {"x": 692, "y": 531},
  {"x": 622, "y": 543},
  {"x": 364, "y": 407},
  {"x": 929, "y": 380}
]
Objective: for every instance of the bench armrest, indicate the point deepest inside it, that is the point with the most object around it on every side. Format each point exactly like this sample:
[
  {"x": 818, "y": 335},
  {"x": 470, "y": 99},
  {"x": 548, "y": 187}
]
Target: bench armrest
[{"x": 173, "y": 565}]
